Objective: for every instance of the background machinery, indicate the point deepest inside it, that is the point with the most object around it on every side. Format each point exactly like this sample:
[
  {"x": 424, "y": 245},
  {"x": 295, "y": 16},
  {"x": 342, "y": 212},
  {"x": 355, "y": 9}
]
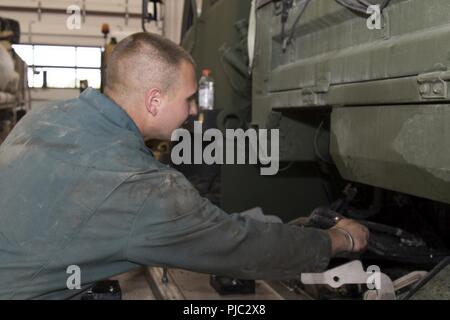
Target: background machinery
[{"x": 14, "y": 94}]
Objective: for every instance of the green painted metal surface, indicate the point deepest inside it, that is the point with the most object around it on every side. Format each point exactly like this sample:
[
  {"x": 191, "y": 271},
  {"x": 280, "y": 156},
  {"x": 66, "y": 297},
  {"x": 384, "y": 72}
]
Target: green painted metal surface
[
  {"x": 334, "y": 59},
  {"x": 400, "y": 148},
  {"x": 298, "y": 188},
  {"x": 387, "y": 89}
]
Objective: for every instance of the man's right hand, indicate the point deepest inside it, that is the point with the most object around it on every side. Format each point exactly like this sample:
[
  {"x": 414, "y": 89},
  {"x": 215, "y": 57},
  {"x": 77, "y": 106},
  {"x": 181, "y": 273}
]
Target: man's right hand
[{"x": 341, "y": 233}]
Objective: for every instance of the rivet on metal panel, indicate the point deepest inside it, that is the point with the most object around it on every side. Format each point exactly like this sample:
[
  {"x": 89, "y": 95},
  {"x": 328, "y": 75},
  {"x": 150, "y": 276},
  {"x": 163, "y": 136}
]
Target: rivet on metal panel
[
  {"x": 424, "y": 88},
  {"x": 438, "y": 88},
  {"x": 434, "y": 85}
]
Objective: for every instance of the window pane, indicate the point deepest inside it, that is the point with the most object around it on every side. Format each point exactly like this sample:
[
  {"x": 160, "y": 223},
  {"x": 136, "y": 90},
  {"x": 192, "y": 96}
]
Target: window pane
[
  {"x": 89, "y": 57},
  {"x": 34, "y": 80},
  {"x": 54, "y": 56},
  {"x": 92, "y": 76},
  {"x": 56, "y": 77},
  {"x": 25, "y": 52}
]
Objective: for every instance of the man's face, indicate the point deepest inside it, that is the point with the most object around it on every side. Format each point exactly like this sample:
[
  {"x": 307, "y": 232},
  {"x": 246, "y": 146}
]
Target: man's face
[{"x": 179, "y": 103}]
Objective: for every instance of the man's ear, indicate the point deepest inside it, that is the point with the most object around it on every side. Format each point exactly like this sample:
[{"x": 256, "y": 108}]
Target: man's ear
[{"x": 153, "y": 101}]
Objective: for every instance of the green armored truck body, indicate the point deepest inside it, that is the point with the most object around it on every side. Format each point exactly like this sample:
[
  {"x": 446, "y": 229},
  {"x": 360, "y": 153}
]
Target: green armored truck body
[{"x": 386, "y": 87}]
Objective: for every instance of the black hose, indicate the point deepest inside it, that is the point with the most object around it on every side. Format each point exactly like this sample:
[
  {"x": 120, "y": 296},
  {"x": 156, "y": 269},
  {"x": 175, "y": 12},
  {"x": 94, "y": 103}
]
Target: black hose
[
  {"x": 360, "y": 6},
  {"x": 443, "y": 264},
  {"x": 388, "y": 242},
  {"x": 288, "y": 40}
]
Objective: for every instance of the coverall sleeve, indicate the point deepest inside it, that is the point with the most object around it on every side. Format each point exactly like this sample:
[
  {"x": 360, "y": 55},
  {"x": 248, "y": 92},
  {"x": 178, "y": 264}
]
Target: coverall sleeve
[{"x": 177, "y": 228}]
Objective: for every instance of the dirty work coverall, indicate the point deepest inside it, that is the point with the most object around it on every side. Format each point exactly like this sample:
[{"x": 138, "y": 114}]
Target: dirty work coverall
[{"x": 79, "y": 187}]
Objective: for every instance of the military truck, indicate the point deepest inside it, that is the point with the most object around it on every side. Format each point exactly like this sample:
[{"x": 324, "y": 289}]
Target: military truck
[{"x": 360, "y": 93}]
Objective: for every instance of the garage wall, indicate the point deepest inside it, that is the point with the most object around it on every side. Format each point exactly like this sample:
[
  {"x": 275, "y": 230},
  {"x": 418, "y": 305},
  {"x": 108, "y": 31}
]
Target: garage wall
[{"x": 45, "y": 22}]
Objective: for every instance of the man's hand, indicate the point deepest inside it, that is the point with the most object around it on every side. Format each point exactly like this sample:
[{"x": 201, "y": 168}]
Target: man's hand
[{"x": 348, "y": 236}]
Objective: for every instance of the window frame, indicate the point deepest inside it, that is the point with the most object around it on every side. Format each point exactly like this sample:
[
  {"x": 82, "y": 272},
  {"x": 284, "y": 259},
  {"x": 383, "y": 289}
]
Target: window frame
[{"x": 33, "y": 66}]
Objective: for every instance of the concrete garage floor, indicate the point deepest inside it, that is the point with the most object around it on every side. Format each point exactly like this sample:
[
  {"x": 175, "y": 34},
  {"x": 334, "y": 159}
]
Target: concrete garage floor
[{"x": 146, "y": 284}]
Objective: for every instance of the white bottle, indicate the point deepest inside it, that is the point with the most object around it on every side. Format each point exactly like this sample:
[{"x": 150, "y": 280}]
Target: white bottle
[{"x": 206, "y": 91}]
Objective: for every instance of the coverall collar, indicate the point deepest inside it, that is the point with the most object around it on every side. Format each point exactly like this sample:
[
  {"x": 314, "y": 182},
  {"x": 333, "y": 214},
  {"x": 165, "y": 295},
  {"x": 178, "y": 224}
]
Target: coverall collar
[{"x": 110, "y": 109}]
